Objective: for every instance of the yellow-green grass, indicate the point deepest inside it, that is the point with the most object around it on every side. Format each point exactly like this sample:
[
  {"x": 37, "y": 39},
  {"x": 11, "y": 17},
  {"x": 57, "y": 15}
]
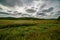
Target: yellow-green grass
[
  {"x": 7, "y": 22},
  {"x": 39, "y": 30}
]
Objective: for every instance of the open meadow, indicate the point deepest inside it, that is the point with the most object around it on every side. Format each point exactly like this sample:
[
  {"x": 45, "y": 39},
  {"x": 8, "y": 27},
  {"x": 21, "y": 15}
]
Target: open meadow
[{"x": 29, "y": 29}]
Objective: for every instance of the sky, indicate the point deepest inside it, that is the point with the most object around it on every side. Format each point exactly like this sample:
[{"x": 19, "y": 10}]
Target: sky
[{"x": 46, "y": 9}]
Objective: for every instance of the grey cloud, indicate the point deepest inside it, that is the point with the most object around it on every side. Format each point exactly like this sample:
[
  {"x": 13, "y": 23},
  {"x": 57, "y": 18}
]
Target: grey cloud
[
  {"x": 48, "y": 10},
  {"x": 1, "y": 9},
  {"x": 45, "y": 10},
  {"x": 42, "y": 6},
  {"x": 9, "y": 11},
  {"x": 15, "y": 2},
  {"x": 5, "y": 2},
  {"x": 18, "y": 3},
  {"x": 58, "y": 13},
  {"x": 4, "y": 13},
  {"x": 25, "y": 15},
  {"x": 19, "y": 13},
  {"x": 28, "y": 1},
  {"x": 15, "y": 12},
  {"x": 30, "y": 10},
  {"x": 52, "y": 13},
  {"x": 42, "y": 14}
]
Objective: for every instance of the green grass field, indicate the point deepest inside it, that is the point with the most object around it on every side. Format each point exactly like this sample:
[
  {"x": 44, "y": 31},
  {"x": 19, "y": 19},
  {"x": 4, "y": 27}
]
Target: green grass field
[{"x": 29, "y": 29}]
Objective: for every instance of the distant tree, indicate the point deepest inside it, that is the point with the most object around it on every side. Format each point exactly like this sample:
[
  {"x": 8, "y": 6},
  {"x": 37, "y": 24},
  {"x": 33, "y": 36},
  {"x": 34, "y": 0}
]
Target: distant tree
[{"x": 59, "y": 18}]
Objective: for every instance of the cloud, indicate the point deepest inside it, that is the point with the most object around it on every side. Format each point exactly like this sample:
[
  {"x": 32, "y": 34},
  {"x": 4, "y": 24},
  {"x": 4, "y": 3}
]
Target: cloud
[
  {"x": 30, "y": 10},
  {"x": 15, "y": 8},
  {"x": 58, "y": 13},
  {"x": 7, "y": 3},
  {"x": 4, "y": 13},
  {"x": 42, "y": 6},
  {"x": 16, "y": 2},
  {"x": 48, "y": 10},
  {"x": 1, "y": 9},
  {"x": 41, "y": 14}
]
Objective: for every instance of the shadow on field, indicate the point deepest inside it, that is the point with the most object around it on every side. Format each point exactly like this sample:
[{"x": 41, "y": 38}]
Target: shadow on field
[{"x": 15, "y": 25}]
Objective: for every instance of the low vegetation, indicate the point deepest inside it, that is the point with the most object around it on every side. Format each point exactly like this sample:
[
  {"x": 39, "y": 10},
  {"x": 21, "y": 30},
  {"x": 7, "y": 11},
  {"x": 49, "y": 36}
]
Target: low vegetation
[{"x": 29, "y": 29}]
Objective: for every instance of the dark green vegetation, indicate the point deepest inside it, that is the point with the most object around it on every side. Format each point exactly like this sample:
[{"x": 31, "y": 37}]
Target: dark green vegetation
[
  {"x": 12, "y": 18},
  {"x": 29, "y": 29},
  {"x": 59, "y": 18}
]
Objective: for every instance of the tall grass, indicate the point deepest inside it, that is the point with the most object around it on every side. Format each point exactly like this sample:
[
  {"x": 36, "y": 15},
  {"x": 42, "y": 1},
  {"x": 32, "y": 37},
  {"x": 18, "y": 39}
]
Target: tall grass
[{"x": 29, "y": 30}]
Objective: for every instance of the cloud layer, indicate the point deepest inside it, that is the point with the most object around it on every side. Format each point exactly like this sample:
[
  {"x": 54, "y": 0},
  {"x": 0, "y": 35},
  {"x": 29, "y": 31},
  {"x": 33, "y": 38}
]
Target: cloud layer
[{"x": 46, "y": 9}]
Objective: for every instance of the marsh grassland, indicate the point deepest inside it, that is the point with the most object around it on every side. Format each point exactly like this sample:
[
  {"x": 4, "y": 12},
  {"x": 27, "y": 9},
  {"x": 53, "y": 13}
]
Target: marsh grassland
[{"x": 29, "y": 29}]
